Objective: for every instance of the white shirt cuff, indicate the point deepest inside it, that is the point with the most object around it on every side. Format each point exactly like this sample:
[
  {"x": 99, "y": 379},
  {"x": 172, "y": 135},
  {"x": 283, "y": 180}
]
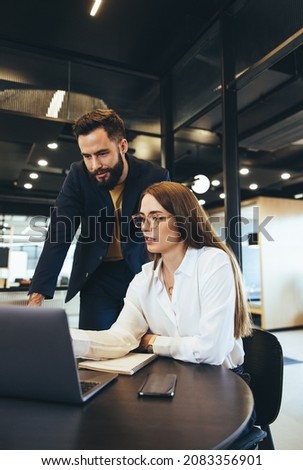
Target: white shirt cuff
[{"x": 81, "y": 342}]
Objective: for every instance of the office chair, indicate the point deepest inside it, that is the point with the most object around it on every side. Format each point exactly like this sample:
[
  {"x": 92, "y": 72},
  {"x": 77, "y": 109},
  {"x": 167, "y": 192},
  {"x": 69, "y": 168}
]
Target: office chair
[{"x": 264, "y": 362}]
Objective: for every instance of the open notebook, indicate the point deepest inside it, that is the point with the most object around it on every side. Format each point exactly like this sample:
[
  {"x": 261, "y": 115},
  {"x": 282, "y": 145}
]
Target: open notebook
[
  {"x": 37, "y": 358},
  {"x": 128, "y": 364}
]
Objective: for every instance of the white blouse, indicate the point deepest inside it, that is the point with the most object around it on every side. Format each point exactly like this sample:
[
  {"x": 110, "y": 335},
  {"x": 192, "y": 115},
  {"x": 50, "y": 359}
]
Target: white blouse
[{"x": 196, "y": 325}]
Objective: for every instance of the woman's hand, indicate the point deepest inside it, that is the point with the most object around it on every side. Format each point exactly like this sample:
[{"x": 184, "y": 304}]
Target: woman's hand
[{"x": 146, "y": 341}]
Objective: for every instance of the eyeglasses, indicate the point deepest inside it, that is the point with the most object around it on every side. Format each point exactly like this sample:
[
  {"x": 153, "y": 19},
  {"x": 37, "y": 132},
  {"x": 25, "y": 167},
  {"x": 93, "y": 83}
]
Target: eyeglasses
[{"x": 151, "y": 220}]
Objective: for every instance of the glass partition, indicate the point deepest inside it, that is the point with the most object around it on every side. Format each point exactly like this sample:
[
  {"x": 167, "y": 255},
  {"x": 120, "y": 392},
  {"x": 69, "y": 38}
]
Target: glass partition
[{"x": 21, "y": 241}]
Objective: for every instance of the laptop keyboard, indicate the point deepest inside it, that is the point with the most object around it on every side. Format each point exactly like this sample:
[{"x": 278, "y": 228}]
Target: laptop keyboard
[{"x": 87, "y": 386}]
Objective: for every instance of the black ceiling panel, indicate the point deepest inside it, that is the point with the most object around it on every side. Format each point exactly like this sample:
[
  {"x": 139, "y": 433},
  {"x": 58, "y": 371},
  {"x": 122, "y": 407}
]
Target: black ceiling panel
[{"x": 119, "y": 58}]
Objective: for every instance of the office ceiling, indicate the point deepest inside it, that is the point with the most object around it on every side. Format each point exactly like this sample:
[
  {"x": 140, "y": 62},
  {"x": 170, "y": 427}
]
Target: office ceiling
[{"x": 118, "y": 58}]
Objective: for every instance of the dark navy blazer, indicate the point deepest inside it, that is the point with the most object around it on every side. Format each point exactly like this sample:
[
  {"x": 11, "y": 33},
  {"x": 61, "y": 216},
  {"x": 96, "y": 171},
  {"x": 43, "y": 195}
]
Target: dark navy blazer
[{"x": 82, "y": 203}]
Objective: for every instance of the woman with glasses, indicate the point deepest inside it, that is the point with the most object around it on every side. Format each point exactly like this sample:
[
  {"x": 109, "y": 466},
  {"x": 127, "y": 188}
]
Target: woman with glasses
[{"x": 188, "y": 302}]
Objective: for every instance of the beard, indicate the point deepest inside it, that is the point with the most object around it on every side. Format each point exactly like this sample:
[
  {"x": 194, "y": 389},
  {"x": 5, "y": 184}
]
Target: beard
[{"x": 114, "y": 175}]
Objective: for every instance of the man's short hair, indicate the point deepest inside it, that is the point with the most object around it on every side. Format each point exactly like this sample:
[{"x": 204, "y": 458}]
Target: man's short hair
[{"x": 106, "y": 119}]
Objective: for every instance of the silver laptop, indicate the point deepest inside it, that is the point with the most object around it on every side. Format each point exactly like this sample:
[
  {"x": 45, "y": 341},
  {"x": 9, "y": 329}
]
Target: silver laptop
[{"x": 37, "y": 359}]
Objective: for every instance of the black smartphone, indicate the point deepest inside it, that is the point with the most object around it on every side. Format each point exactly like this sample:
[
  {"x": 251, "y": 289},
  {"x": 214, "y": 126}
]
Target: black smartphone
[{"x": 158, "y": 385}]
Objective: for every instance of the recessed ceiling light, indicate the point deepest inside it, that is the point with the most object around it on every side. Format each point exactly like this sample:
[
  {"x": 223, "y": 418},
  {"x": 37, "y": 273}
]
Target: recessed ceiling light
[
  {"x": 42, "y": 162},
  {"x": 52, "y": 145},
  {"x": 222, "y": 196},
  {"x": 202, "y": 202},
  {"x": 215, "y": 182},
  {"x": 28, "y": 186},
  {"x": 298, "y": 196},
  {"x": 244, "y": 171},
  {"x": 253, "y": 186},
  {"x": 285, "y": 176},
  {"x": 33, "y": 176}
]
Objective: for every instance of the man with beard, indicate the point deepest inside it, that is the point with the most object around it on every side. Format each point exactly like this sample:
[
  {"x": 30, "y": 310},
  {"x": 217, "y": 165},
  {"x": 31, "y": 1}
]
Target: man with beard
[{"x": 98, "y": 197}]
